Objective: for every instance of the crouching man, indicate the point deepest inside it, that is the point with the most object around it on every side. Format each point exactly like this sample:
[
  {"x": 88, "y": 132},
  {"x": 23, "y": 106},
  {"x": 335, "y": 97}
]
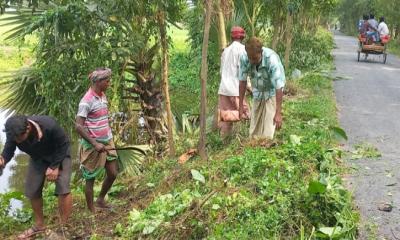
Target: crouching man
[{"x": 49, "y": 149}]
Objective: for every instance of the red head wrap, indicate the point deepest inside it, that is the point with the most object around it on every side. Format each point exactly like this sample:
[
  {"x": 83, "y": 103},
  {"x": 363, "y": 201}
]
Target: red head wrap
[{"x": 237, "y": 32}]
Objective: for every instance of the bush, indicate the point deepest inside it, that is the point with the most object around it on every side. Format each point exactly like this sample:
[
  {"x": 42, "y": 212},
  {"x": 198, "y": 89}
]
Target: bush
[
  {"x": 309, "y": 50},
  {"x": 10, "y": 218}
]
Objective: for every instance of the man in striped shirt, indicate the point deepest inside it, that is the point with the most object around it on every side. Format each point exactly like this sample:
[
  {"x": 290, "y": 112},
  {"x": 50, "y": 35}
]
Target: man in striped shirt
[{"x": 97, "y": 150}]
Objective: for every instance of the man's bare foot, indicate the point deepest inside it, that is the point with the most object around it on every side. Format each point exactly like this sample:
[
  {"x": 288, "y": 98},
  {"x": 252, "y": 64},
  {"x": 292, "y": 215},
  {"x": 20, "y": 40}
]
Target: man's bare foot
[
  {"x": 30, "y": 232},
  {"x": 102, "y": 204}
]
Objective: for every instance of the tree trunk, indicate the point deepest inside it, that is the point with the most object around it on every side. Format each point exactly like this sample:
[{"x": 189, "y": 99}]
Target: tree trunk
[
  {"x": 277, "y": 31},
  {"x": 203, "y": 79},
  {"x": 275, "y": 36},
  {"x": 164, "y": 80},
  {"x": 222, "y": 42},
  {"x": 289, "y": 36},
  {"x": 150, "y": 95},
  {"x": 221, "y": 27},
  {"x": 249, "y": 18}
]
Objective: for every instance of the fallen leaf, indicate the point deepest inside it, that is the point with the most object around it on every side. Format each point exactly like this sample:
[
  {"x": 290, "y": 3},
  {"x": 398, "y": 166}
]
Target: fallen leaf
[
  {"x": 391, "y": 184},
  {"x": 386, "y": 207},
  {"x": 390, "y": 174},
  {"x": 197, "y": 176},
  {"x": 187, "y": 155}
]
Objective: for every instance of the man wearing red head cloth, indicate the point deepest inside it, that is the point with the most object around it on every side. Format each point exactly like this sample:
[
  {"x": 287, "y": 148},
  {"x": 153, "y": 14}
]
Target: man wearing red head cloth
[
  {"x": 229, "y": 87},
  {"x": 96, "y": 145}
]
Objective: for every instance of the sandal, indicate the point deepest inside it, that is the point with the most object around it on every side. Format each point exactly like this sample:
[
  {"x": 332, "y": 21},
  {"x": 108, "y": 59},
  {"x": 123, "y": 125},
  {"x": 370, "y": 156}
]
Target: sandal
[{"x": 31, "y": 232}]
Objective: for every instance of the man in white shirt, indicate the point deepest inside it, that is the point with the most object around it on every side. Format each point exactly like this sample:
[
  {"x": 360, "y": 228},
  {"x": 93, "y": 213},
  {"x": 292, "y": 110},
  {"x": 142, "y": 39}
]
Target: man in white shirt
[
  {"x": 383, "y": 29},
  {"x": 229, "y": 87}
]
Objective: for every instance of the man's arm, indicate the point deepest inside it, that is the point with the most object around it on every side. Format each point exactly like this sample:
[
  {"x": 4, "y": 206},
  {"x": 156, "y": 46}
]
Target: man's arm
[
  {"x": 278, "y": 112},
  {"x": 61, "y": 143},
  {"x": 243, "y": 71},
  {"x": 79, "y": 127},
  {"x": 242, "y": 91},
  {"x": 8, "y": 153},
  {"x": 278, "y": 80}
]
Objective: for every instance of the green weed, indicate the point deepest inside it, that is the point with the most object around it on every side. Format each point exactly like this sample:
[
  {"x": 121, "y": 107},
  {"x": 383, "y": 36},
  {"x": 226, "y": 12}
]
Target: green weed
[
  {"x": 12, "y": 221},
  {"x": 364, "y": 150}
]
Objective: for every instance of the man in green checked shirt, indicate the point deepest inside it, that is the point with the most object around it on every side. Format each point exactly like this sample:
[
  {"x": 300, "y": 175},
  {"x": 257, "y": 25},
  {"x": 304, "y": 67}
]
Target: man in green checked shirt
[{"x": 267, "y": 76}]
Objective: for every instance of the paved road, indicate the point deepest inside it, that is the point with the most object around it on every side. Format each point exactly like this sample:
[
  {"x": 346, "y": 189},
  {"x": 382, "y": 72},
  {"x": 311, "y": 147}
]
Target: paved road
[{"x": 368, "y": 99}]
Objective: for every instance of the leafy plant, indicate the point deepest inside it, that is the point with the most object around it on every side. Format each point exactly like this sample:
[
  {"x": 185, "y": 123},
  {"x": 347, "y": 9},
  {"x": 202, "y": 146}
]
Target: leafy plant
[
  {"x": 9, "y": 218},
  {"x": 164, "y": 208},
  {"x": 365, "y": 150}
]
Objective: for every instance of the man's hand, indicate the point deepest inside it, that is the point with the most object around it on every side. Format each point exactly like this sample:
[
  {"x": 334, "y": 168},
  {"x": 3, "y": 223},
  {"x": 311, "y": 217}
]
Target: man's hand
[
  {"x": 52, "y": 174},
  {"x": 99, "y": 147},
  {"x": 2, "y": 162},
  {"x": 278, "y": 120},
  {"x": 240, "y": 111}
]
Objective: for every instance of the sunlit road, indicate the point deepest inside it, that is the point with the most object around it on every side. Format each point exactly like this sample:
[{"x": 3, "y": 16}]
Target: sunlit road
[{"x": 368, "y": 100}]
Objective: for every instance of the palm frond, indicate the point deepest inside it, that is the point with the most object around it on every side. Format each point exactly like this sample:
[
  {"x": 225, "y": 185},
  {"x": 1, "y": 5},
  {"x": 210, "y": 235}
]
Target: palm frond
[
  {"x": 20, "y": 22},
  {"x": 131, "y": 148},
  {"x": 20, "y": 94},
  {"x": 131, "y": 159}
]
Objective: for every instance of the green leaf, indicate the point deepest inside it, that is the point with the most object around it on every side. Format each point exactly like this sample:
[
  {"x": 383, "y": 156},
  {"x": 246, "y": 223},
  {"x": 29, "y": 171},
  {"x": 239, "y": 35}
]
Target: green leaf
[
  {"x": 198, "y": 176},
  {"x": 315, "y": 187},
  {"x": 150, "y": 185},
  {"x": 339, "y": 133},
  {"x": 215, "y": 207},
  {"x": 134, "y": 215},
  {"x": 148, "y": 229},
  {"x": 330, "y": 231},
  {"x": 91, "y": 7},
  {"x": 118, "y": 230},
  {"x": 295, "y": 140}
]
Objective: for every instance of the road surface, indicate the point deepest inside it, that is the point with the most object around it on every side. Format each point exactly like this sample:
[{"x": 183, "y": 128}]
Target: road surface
[{"x": 368, "y": 100}]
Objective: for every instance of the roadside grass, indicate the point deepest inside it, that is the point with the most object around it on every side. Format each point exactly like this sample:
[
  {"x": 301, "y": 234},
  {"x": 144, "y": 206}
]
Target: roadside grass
[
  {"x": 291, "y": 188},
  {"x": 364, "y": 150},
  {"x": 394, "y": 47}
]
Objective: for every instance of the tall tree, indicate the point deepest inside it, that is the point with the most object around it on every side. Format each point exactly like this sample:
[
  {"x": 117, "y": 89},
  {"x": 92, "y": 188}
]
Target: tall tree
[
  {"x": 76, "y": 36},
  {"x": 164, "y": 79},
  {"x": 203, "y": 79},
  {"x": 288, "y": 37}
]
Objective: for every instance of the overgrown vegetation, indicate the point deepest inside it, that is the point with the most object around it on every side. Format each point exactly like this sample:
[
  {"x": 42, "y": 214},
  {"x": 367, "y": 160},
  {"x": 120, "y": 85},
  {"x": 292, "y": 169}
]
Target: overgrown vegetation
[
  {"x": 286, "y": 189},
  {"x": 289, "y": 190}
]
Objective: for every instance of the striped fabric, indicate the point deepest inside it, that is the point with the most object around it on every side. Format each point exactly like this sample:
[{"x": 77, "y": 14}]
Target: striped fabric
[{"x": 94, "y": 109}]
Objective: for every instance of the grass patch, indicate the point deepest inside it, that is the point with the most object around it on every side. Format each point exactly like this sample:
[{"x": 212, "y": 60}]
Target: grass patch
[
  {"x": 180, "y": 37},
  {"x": 394, "y": 47},
  {"x": 283, "y": 190},
  {"x": 364, "y": 150}
]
